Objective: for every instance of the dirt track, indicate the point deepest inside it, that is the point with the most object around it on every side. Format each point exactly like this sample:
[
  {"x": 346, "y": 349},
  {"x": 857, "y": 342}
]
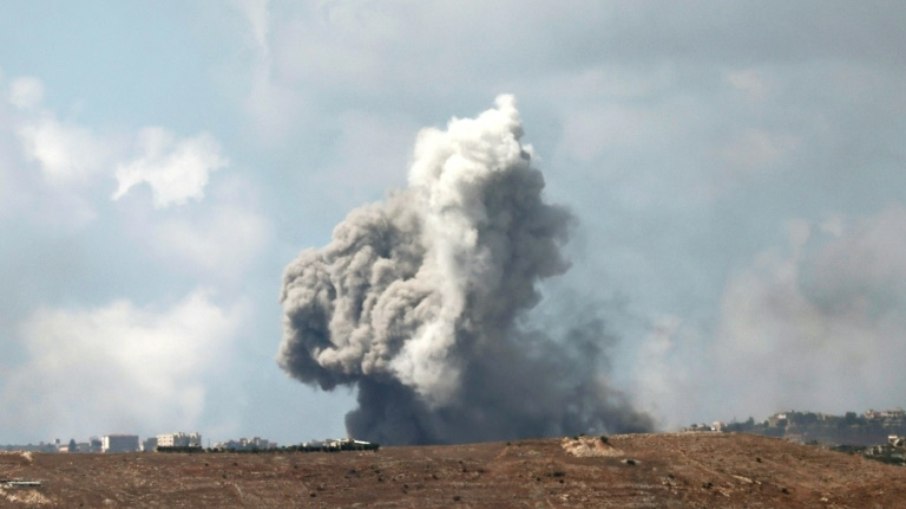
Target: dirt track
[{"x": 661, "y": 470}]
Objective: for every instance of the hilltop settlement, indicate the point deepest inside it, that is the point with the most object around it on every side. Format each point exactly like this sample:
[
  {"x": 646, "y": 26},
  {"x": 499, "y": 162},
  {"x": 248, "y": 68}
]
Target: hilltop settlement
[{"x": 876, "y": 434}]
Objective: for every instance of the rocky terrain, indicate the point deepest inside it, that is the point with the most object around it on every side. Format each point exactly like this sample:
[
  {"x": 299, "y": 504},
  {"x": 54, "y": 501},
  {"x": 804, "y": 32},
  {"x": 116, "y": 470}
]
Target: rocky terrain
[{"x": 645, "y": 470}]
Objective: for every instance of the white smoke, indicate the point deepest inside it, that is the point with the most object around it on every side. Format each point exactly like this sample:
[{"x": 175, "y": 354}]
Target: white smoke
[
  {"x": 816, "y": 323},
  {"x": 820, "y": 324},
  {"x": 416, "y": 301}
]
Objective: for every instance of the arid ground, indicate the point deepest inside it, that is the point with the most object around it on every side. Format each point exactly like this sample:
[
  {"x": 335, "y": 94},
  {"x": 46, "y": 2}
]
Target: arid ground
[{"x": 647, "y": 470}]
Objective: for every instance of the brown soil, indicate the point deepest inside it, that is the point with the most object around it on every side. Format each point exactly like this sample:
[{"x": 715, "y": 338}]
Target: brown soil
[{"x": 660, "y": 470}]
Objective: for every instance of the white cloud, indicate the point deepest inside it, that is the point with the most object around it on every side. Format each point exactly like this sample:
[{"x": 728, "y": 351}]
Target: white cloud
[
  {"x": 224, "y": 241},
  {"x": 26, "y": 92},
  {"x": 217, "y": 243},
  {"x": 118, "y": 367},
  {"x": 24, "y": 193},
  {"x": 256, "y": 13},
  {"x": 338, "y": 44},
  {"x": 272, "y": 105},
  {"x": 270, "y": 102},
  {"x": 70, "y": 156},
  {"x": 65, "y": 152},
  {"x": 8, "y": 191},
  {"x": 750, "y": 82},
  {"x": 591, "y": 131},
  {"x": 754, "y": 149},
  {"x": 833, "y": 225},
  {"x": 372, "y": 153},
  {"x": 176, "y": 170}
]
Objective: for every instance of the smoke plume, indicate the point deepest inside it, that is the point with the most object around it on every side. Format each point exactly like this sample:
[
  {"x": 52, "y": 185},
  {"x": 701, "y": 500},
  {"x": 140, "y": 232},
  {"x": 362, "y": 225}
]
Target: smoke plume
[{"x": 419, "y": 301}]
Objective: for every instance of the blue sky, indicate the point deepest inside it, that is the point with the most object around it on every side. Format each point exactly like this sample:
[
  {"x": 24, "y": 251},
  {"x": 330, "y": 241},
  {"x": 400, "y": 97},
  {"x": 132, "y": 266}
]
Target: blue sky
[{"x": 737, "y": 170}]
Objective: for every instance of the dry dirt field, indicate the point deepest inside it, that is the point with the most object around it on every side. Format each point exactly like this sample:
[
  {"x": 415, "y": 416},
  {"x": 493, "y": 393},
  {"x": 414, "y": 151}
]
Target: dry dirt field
[{"x": 658, "y": 470}]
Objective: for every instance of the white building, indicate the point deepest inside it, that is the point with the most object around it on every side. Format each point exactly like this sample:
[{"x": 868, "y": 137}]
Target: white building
[
  {"x": 179, "y": 439},
  {"x": 119, "y": 443}
]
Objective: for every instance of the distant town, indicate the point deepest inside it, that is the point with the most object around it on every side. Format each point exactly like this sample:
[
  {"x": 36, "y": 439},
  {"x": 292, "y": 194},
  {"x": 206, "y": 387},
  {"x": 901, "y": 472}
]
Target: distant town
[
  {"x": 865, "y": 430},
  {"x": 869, "y": 428},
  {"x": 186, "y": 442},
  {"x": 115, "y": 443},
  {"x": 875, "y": 434}
]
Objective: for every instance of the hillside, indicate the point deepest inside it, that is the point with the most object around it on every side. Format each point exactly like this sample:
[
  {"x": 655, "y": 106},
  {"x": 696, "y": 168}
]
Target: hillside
[{"x": 646, "y": 470}]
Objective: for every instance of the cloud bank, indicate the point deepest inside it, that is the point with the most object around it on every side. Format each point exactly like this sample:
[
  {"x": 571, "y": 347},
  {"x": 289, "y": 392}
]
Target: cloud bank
[{"x": 118, "y": 367}]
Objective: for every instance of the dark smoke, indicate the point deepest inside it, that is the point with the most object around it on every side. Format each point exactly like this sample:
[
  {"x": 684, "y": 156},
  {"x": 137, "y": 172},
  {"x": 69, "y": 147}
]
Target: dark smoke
[{"x": 417, "y": 301}]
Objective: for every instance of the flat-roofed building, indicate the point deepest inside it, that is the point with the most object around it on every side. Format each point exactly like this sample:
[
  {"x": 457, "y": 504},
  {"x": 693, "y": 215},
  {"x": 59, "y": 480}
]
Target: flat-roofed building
[
  {"x": 150, "y": 444},
  {"x": 119, "y": 443},
  {"x": 179, "y": 439}
]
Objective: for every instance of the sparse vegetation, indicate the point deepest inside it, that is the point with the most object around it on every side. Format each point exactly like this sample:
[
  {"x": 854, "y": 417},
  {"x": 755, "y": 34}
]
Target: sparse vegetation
[{"x": 670, "y": 470}]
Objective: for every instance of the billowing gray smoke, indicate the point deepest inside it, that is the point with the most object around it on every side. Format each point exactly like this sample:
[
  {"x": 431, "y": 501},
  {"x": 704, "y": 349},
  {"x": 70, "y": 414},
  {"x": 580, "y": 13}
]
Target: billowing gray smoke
[{"x": 418, "y": 302}]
